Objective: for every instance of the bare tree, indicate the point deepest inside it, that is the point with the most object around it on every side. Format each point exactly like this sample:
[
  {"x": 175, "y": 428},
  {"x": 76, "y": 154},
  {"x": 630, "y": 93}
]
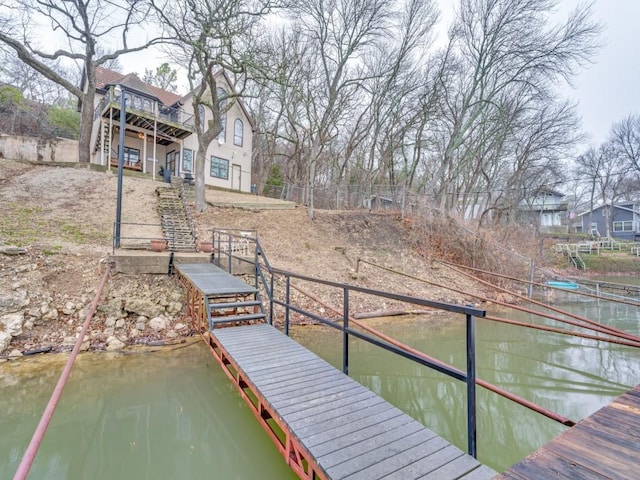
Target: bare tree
[
  {"x": 625, "y": 140},
  {"x": 86, "y": 26},
  {"x": 608, "y": 177},
  {"x": 211, "y": 38},
  {"x": 350, "y": 43},
  {"x": 500, "y": 50}
]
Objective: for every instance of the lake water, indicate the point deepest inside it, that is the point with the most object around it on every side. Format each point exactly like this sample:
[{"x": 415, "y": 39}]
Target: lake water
[
  {"x": 164, "y": 415},
  {"x": 173, "y": 414}
]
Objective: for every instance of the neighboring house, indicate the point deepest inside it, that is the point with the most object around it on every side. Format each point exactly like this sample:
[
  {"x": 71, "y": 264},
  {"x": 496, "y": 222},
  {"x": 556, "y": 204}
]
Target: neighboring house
[
  {"x": 624, "y": 221},
  {"x": 160, "y": 134},
  {"x": 546, "y": 207}
]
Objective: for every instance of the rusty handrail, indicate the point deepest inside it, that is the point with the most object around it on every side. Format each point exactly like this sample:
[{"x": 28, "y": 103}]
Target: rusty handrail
[{"x": 38, "y": 435}]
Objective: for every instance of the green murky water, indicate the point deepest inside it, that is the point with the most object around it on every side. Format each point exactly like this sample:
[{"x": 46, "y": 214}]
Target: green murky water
[
  {"x": 168, "y": 415},
  {"x": 568, "y": 375},
  {"x": 164, "y": 415}
]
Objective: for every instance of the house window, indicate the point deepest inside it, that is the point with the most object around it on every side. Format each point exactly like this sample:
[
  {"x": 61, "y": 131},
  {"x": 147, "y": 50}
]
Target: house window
[
  {"x": 625, "y": 226},
  {"x": 131, "y": 156},
  {"x": 238, "y": 132},
  {"x": 223, "y": 116},
  {"x": 187, "y": 160},
  {"x": 219, "y": 168},
  {"x": 146, "y": 105}
]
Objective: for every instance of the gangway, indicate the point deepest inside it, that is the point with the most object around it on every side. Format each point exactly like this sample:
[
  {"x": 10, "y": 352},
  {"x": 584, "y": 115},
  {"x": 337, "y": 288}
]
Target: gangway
[{"x": 325, "y": 424}]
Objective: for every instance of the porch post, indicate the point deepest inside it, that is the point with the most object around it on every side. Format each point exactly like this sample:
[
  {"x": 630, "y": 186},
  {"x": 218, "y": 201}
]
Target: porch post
[
  {"x": 155, "y": 128},
  {"x": 180, "y": 159},
  {"x": 102, "y": 134},
  {"x": 110, "y": 128},
  {"x": 144, "y": 153}
]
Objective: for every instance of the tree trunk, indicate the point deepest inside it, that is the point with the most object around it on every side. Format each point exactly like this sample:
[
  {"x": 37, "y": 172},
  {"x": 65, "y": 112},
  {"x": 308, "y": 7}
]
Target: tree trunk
[
  {"x": 200, "y": 202},
  {"x": 86, "y": 116}
]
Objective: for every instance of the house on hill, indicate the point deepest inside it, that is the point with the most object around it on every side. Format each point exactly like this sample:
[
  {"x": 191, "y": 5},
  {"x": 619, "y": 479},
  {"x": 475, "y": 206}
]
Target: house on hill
[
  {"x": 160, "y": 134},
  {"x": 624, "y": 221},
  {"x": 547, "y": 208}
]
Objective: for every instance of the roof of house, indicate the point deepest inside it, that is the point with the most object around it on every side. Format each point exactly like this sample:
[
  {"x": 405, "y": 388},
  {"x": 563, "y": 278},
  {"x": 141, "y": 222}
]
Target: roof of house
[
  {"x": 549, "y": 191},
  {"x": 106, "y": 77},
  {"x": 621, "y": 206}
]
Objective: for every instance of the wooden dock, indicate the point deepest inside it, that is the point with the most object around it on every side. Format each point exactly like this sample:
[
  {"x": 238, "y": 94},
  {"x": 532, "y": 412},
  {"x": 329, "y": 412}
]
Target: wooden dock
[
  {"x": 325, "y": 424},
  {"x": 605, "y": 445}
]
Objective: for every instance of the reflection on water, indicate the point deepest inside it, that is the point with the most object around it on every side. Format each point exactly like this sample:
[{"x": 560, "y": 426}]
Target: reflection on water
[
  {"x": 162, "y": 415},
  {"x": 569, "y": 375}
]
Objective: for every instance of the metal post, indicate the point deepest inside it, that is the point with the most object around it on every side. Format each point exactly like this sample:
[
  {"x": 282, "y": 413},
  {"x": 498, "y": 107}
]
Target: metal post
[
  {"x": 123, "y": 115},
  {"x": 271, "y": 301},
  {"x": 229, "y": 251},
  {"x": 345, "y": 333},
  {"x": 286, "y": 301},
  {"x": 531, "y": 273},
  {"x": 471, "y": 387}
]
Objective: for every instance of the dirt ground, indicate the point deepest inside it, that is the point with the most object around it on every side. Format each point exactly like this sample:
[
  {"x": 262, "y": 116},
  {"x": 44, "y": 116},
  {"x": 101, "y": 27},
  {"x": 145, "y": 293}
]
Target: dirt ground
[{"x": 63, "y": 217}]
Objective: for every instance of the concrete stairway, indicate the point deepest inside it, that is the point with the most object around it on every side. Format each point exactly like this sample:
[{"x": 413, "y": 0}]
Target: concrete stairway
[{"x": 176, "y": 225}]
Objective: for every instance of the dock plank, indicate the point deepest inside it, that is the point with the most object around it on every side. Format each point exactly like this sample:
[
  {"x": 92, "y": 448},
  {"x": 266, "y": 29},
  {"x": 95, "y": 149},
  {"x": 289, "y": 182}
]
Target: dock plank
[
  {"x": 605, "y": 445},
  {"x": 347, "y": 429}
]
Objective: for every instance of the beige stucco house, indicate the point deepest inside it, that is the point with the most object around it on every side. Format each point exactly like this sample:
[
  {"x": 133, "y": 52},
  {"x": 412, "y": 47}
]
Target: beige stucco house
[{"x": 160, "y": 134}]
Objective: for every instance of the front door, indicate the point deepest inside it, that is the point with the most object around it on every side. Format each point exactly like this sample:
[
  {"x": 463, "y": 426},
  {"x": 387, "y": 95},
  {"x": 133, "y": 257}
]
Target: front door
[{"x": 236, "y": 177}]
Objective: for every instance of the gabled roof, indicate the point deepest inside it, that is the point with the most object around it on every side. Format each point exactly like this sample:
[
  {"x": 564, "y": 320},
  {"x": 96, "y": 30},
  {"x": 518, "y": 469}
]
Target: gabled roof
[
  {"x": 619, "y": 206},
  {"x": 549, "y": 191},
  {"x": 106, "y": 77}
]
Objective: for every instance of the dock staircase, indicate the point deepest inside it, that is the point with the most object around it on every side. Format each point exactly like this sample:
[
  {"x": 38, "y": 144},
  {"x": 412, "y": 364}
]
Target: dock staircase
[
  {"x": 177, "y": 226},
  {"x": 235, "y": 309}
]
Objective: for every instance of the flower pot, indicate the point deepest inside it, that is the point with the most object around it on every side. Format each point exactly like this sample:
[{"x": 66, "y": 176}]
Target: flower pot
[
  {"x": 158, "y": 245},
  {"x": 206, "y": 247}
]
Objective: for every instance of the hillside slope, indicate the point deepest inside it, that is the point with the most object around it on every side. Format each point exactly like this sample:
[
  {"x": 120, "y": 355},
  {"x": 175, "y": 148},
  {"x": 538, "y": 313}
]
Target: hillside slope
[{"x": 64, "y": 217}]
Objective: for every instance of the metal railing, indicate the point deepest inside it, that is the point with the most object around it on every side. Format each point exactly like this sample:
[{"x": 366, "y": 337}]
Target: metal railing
[
  {"x": 136, "y": 103},
  {"x": 228, "y": 243},
  {"x": 142, "y": 241}
]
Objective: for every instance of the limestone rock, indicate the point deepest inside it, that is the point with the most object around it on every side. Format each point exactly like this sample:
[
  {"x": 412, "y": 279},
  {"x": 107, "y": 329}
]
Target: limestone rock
[
  {"x": 5, "y": 340},
  {"x": 172, "y": 334},
  {"x": 48, "y": 313},
  {"x": 14, "y": 302},
  {"x": 179, "y": 326},
  {"x": 69, "y": 308},
  {"x": 12, "y": 323},
  {"x": 174, "y": 307},
  {"x": 15, "y": 353},
  {"x": 113, "y": 308},
  {"x": 158, "y": 323},
  {"x": 110, "y": 322},
  {"x": 143, "y": 306},
  {"x": 114, "y": 343},
  {"x": 120, "y": 323},
  {"x": 134, "y": 333}
]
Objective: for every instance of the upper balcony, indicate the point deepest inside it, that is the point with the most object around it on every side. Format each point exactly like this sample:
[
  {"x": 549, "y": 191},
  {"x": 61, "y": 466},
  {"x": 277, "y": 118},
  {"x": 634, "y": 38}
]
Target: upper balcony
[
  {"x": 544, "y": 206},
  {"x": 169, "y": 123}
]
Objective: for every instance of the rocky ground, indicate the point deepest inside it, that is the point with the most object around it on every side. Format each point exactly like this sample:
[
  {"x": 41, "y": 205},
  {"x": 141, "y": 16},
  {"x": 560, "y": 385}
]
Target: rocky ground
[{"x": 61, "y": 218}]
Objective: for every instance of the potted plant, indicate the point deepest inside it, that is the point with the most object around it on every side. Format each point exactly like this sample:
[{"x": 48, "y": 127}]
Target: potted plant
[
  {"x": 206, "y": 247},
  {"x": 158, "y": 244}
]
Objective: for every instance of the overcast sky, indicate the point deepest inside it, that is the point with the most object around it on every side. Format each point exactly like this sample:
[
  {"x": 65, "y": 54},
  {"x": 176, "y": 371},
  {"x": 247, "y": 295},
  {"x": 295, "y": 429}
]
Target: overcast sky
[{"x": 606, "y": 91}]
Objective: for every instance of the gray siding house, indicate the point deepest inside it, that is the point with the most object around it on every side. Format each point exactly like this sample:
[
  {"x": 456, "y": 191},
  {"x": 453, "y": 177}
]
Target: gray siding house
[
  {"x": 546, "y": 207},
  {"x": 624, "y": 221}
]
